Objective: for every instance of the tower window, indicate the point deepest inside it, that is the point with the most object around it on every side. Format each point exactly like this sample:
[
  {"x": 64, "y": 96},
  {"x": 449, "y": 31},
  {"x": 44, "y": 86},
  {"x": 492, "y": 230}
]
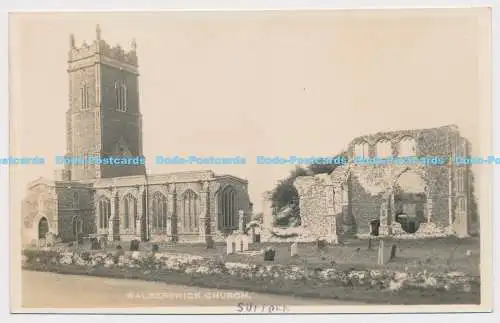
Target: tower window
[
  {"x": 121, "y": 96},
  {"x": 84, "y": 97}
]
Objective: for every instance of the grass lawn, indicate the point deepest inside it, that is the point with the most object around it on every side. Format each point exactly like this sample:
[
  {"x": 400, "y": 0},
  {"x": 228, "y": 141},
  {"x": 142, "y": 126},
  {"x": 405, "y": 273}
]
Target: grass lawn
[
  {"x": 435, "y": 255},
  {"x": 440, "y": 254}
]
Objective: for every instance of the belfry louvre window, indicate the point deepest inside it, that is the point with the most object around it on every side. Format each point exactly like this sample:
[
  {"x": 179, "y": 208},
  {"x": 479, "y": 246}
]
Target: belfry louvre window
[
  {"x": 84, "y": 97},
  {"x": 121, "y": 96}
]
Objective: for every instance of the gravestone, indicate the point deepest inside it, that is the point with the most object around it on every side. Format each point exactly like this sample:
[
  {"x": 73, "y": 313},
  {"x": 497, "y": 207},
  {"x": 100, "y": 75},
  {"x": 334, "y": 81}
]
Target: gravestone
[
  {"x": 239, "y": 244},
  {"x": 269, "y": 254},
  {"x": 380, "y": 260},
  {"x": 103, "y": 242},
  {"x": 252, "y": 233},
  {"x": 294, "y": 250},
  {"x": 245, "y": 241},
  {"x": 230, "y": 245},
  {"x": 134, "y": 245},
  {"x": 241, "y": 223}
]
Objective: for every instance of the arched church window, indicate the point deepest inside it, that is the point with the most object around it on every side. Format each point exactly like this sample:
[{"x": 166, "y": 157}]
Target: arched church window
[
  {"x": 129, "y": 211},
  {"x": 407, "y": 147},
  {"x": 461, "y": 204},
  {"x": 384, "y": 148},
  {"x": 228, "y": 208},
  {"x": 460, "y": 181},
  {"x": 121, "y": 96},
  {"x": 76, "y": 200},
  {"x": 190, "y": 211},
  {"x": 361, "y": 150},
  {"x": 159, "y": 221},
  {"x": 104, "y": 213}
]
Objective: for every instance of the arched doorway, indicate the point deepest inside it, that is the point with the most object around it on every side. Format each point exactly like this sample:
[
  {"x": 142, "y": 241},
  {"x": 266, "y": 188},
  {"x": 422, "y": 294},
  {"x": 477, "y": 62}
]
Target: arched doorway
[
  {"x": 410, "y": 199},
  {"x": 43, "y": 228}
]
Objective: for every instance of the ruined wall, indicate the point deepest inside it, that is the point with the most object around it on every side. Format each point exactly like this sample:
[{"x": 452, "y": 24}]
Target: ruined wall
[
  {"x": 40, "y": 202},
  {"x": 368, "y": 188},
  {"x": 317, "y": 208}
]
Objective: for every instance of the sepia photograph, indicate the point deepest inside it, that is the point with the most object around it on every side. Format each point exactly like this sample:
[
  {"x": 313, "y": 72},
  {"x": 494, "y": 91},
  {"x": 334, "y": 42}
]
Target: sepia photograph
[{"x": 251, "y": 162}]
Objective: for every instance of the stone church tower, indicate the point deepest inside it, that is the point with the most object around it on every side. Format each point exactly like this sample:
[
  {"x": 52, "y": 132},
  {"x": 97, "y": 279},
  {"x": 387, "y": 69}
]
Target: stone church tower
[
  {"x": 103, "y": 118},
  {"x": 123, "y": 202}
]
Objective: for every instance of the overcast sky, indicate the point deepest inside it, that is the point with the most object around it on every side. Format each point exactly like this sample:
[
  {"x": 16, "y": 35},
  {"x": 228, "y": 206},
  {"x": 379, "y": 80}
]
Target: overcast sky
[{"x": 249, "y": 84}]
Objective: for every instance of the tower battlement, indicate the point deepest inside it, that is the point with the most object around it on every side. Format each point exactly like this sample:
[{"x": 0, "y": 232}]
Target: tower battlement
[
  {"x": 99, "y": 49},
  {"x": 104, "y": 117}
]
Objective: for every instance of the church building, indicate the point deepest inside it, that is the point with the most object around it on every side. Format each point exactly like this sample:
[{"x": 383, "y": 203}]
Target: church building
[{"x": 123, "y": 202}]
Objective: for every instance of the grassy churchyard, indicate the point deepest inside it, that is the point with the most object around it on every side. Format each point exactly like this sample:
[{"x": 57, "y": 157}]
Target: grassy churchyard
[
  {"x": 439, "y": 254},
  {"x": 427, "y": 271}
]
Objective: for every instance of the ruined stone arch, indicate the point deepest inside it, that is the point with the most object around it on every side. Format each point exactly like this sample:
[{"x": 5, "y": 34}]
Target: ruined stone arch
[
  {"x": 415, "y": 171},
  {"x": 407, "y": 146},
  {"x": 42, "y": 225},
  {"x": 361, "y": 149},
  {"x": 409, "y": 196},
  {"x": 383, "y": 148}
]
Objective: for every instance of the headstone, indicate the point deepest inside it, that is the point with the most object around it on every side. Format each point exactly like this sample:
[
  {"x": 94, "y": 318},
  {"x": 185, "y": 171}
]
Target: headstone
[
  {"x": 294, "y": 249},
  {"x": 240, "y": 244},
  {"x": 241, "y": 223},
  {"x": 269, "y": 254},
  {"x": 134, "y": 245},
  {"x": 252, "y": 234},
  {"x": 267, "y": 213},
  {"x": 245, "y": 240},
  {"x": 209, "y": 243},
  {"x": 103, "y": 240},
  {"x": 381, "y": 253},
  {"x": 230, "y": 245}
]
